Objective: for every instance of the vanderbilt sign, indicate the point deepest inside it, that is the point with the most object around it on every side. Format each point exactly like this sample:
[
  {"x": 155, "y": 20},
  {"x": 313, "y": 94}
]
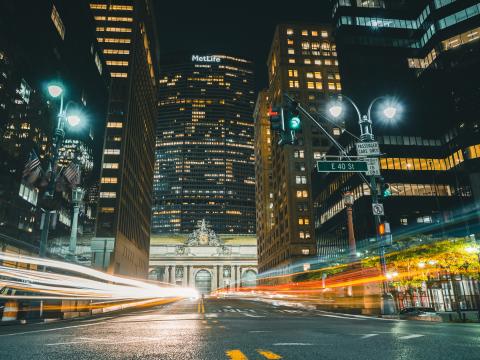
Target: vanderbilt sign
[{"x": 208, "y": 58}]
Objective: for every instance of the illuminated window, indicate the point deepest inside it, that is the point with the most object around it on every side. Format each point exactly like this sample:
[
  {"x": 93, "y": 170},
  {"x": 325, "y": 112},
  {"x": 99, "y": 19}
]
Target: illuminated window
[
  {"x": 337, "y": 131},
  {"x": 291, "y": 61},
  {"x": 291, "y": 51},
  {"x": 331, "y": 86},
  {"x": 118, "y": 29},
  {"x": 110, "y": 165},
  {"x": 301, "y": 235},
  {"x": 117, "y": 63},
  {"x": 328, "y": 62},
  {"x": 107, "y": 210},
  {"x": 300, "y": 179},
  {"x": 289, "y": 31},
  {"x": 293, "y": 73},
  {"x": 309, "y": 75},
  {"x": 116, "y": 51},
  {"x": 98, "y": 6},
  {"x": 318, "y": 85},
  {"x": 293, "y": 84},
  {"x": 305, "y": 45},
  {"x": 119, "y": 75},
  {"x": 121, "y": 7},
  {"x": 109, "y": 180},
  {"x": 100, "y": 18},
  {"x": 111, "y": 151},
  {"x": 339, "y": 86},
  {"x": 307, "y": 61},
  {"x": 108, "y": 195},
  {"x": 304, "y": 32},
  {"x": 57, "y": 21},
  {"x": 310, "y": 85},
  {"x": 111, "y": 124},
  {"x": 324, "y": 34},
  {"x": 314, "y": 33},
  {"x": 318, "y": 62},
  {"x": 116, "y": 18},
  {"x": 318, "y": 75},
  {"x": 299, "y": 154},
  {"x": 289, "y": 42},
  {"x": 305, "y": 251},
  {"x": 114, "y": 40}
]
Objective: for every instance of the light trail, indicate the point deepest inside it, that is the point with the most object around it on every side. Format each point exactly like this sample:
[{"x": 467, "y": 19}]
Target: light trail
[{"x": 65, "y": 281}]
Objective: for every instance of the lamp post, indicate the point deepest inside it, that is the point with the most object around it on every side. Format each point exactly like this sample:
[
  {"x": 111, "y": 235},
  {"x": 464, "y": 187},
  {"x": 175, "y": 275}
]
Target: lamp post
[
  {"x": 63, "y": 117},
  {"x": 77, "y": 196},
  {"x": 348, "y": 201},
  {"x": 366, "y": 136}
]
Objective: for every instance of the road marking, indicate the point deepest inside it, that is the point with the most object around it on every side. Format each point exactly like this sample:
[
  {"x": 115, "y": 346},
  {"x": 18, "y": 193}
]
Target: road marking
[
  {"x": 254, "y": 316},
  {"x": 342, "y": 317},
  {"x": 235, "y": 355},
  {"x": 259, "y": 331},
  {"x": 269, "y": 355},
  {"x": 47, "y": 330},
  {"x": 408, "y": 337},
  {"x": 366, "y": 336},
  {"x": 292, "y": 344}
]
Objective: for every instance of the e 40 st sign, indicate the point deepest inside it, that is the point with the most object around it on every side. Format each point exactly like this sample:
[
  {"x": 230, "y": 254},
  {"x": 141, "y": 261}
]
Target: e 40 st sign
[{"x": 342, "y": 166}]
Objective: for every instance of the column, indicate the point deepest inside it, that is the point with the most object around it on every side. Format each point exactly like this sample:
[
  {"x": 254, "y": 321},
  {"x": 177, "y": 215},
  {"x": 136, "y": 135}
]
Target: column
[
  {"x": 165, "y": 274},
  {"x": 239, "y": 276},
  {"x": 214, "y": 278},
  {"x": 192, "y": 279},
  {"x": 174, "y": 279},
  {"x": 184, "y": 279},
  {"x": 234, "y": 277},
  {"x": 220, "y": 277}
]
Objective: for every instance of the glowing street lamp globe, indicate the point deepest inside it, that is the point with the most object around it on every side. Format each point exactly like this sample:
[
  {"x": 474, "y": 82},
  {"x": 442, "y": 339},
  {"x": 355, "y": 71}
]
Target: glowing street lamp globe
[
  {"x": 55, "y": 90},
  {"x": 335, "y": 110},
  {"x": 74, "y": 120},
  {"x": 390, "y": 112}
]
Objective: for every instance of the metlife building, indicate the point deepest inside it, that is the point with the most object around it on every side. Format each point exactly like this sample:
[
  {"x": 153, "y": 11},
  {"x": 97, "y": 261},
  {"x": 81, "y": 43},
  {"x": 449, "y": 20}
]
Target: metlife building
[{"x": 204, "y": 165}]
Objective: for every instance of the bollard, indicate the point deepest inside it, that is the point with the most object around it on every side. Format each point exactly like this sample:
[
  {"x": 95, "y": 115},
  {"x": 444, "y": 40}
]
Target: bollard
[{"x": 10, "y": 311}]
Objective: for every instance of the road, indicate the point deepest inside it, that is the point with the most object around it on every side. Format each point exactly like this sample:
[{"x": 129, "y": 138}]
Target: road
[{"x": 238, "y": 329}]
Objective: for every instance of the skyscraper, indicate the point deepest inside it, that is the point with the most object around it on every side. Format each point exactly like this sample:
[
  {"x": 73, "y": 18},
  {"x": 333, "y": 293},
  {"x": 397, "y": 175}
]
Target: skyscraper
[
  {"x": 302, "y": 63},
  {"x": 127, "y": 35},
  {"x": 204, "y": 153}
]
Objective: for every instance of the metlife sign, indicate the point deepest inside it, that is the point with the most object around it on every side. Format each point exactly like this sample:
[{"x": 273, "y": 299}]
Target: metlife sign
[{"x": 206, "y": 58}]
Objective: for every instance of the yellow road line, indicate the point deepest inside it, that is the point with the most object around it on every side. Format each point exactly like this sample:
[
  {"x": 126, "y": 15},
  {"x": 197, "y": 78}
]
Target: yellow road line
[
  {"x": 269, "y": 355},
  {"x": 235, "y": 355}
]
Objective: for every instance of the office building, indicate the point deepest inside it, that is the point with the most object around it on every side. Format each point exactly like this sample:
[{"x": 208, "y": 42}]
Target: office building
[
  {"x": 126, "y": 33},
  {"x": 302, "y": 63},
  {"x": 204, "y": 147}
]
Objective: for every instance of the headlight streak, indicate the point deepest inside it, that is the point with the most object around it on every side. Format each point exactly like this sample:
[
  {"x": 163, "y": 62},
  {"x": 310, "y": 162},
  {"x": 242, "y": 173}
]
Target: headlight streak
[{"x": 85, "y": 284}]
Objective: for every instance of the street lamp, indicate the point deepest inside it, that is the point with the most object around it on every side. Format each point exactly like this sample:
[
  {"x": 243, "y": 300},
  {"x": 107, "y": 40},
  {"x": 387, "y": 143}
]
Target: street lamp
[
  {"x": 348, "y": 200},
  {"x": 390, "y": 110},
  {"x": 56, "y": 90},
  {"x": 77, "y": 196}
]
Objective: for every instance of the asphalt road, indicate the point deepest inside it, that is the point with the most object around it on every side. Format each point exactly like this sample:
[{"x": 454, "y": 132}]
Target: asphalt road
[{"x": 238, "y": 330}]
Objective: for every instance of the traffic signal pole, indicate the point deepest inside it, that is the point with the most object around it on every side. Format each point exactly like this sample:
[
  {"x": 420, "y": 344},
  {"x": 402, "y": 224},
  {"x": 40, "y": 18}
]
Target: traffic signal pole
[{"x": 366, "y": 135}]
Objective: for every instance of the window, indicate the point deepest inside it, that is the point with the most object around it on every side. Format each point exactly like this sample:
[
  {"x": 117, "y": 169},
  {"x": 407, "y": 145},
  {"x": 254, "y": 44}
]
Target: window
[
  {"x": 337, "y": 131},
  {"x": 289, "y": 42},
  {"x": 98, "y": 6},
  {"x": 111, "y": 124},
  {"x": 304, "y": 32},
  {"x": 291, "y": 51},
  {"x": 293, "y": 73},
  {"x": 305, "y": 251},
  {"x": 318, "y": 62},
  {"x": 404, "y": 221},
  {"x": 300, "y": 166},
  {"x": 111, "y": 151},
  {"x": 114, "y": 40},
  {"x": 121, "y": 7},
  {"x": 116, "y": 51},
  {"x": 107, "y": 210},
  {"x": 310, "y": 85},
  {"x": 307, "y": 61},
  {"x": 119, "y": 75},
  {"x": 294, "y": 84},
  {"x": 302, "y": 194},
  {"x": 305, "y": 45},
  {"x": 57, "y": 21},
  {"x": 318, "y": 85},
  {"x": 324, "y": 34},
  {"x": 300, "y": 179},
  {"x": 289, "y": 31},
  {"x": 108, "y": 195},
  {"x": 301, "y": 235},
  {"x": 291, "y": 61},
  {"x": 109, "y": 180},
  {"x": 117, "y": 63},
  {"x": 328, "y": 62},
  {"x": 110, "y": 165},
  {"x": 331, "y": 86},
  {"x": 318, "y": 75},
  {"x": 314, "y": 33},
  {"x": 299, "y": 154},
  {"x": 116, "y": 18}
]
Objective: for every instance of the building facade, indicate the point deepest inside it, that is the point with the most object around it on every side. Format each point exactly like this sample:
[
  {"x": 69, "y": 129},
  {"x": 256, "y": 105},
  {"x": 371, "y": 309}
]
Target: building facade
[
  {"x": 204, "y": 260},
  {"x": 302, "y": 63},
  {"x": 57, "y": 43},
  {"x": 204, "y": 145},
  {"x": 126, "y": 33},
  {"x": 421, "y": 52}
]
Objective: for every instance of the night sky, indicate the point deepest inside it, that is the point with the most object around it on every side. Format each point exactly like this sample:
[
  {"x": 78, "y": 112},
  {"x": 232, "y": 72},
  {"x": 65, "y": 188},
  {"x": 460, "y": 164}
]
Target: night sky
[{"x": 241, "y": 28}]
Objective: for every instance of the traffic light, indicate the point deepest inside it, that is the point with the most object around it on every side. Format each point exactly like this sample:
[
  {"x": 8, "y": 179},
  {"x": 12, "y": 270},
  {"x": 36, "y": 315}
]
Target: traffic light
[
  {"x": 276, "y": 118},
  {"x": 293, "y": 121},
  {"x": 386, "y": 191}
]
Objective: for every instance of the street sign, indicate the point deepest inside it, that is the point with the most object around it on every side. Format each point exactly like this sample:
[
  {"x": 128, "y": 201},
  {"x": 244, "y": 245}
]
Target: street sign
[
  {"x": 367, "y": 148},
  {"x": 342, "y": 166},
  {"x": 378, "y": 209},
  {"x": 373, "y": 167}
]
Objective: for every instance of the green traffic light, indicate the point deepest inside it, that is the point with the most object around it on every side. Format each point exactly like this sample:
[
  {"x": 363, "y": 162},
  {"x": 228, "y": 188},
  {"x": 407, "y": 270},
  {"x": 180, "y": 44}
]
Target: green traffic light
[{"x": 295, "y": 123}]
